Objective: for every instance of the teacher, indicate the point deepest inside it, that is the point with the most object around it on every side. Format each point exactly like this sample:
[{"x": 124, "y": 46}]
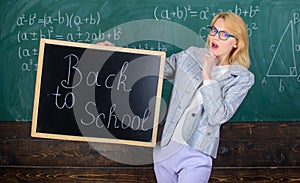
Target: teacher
[{"x": 209, "y": 84}]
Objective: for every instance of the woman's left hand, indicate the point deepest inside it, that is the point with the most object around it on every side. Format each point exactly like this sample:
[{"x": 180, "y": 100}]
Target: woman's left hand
[{"x": 106, "y": 43}]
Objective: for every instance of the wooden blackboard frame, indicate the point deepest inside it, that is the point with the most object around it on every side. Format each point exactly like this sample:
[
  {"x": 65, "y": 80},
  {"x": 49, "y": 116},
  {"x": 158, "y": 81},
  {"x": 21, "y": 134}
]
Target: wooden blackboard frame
[{"x": 35, "y": 118}]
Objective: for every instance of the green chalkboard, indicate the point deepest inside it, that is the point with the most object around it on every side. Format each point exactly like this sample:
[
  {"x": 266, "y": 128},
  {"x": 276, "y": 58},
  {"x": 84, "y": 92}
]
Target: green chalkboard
[{"x": 171, "y": 26}]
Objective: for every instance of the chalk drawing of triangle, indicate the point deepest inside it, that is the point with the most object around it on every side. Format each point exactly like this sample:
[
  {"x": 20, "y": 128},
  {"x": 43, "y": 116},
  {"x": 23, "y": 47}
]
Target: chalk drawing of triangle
[{"x": 283, "y": 63}]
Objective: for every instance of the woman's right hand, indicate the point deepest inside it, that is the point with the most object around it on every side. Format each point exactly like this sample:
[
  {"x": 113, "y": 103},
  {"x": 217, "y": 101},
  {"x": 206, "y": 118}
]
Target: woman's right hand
[
  {"x": 106, "y": 43},
  {"x": 209, "y": 61}
]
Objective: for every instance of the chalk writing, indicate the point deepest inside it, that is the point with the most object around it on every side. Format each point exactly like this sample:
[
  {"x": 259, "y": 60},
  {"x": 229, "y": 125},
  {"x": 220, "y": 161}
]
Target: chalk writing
[
  {"x": 71, "y": 67},
  {"x": 29, "y": 66},
  {"x": 127, "y": 121},
  {"x": 87, "y": 28},
  {"x": 288, "y": 67},
  {"x": 205, "y": 13},
  {"x": 146, "y": 46},
  {"x": 77, "y": 36},
  {"x": 185, "y": 13},
  {"x": 64, "y": 98},
  {"x": 67, "y": 19},
  {"x": 34, "y": 26}
]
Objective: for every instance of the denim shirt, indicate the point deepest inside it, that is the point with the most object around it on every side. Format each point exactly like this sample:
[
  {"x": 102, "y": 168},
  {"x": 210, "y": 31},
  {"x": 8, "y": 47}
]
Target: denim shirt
[{"x": 221, "y": 99}]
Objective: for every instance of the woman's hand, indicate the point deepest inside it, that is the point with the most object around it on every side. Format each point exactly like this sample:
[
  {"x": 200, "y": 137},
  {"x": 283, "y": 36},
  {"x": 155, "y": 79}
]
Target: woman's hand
[
  {"x": 209, "y": 61},
  {"x": 106, "y": 43}
]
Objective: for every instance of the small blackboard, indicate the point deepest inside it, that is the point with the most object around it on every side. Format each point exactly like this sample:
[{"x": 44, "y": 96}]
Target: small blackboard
[{"x": 89, "y": 92}]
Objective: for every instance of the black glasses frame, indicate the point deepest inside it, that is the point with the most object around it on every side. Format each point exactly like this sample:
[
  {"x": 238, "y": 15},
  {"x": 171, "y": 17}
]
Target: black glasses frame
[{"x": 216, "y": 31}]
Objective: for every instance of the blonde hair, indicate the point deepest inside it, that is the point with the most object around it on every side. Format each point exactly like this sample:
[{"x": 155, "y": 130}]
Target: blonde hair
[{"x": 236, "y": 25}]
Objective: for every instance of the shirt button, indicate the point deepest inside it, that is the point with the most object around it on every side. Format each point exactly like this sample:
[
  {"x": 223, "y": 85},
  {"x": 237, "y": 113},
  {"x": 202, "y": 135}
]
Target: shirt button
[{"x": 193, "y": 115}]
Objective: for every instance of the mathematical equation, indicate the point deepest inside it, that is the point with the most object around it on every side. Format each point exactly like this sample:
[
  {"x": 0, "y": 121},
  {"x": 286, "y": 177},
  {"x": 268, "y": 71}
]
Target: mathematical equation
[
  {"x": 188, "y": 12},
  {"x": 69, "y": 20},
  {"x": 184, "y": 13},
  {"x": 33, "y": 27},
  {"x": 86, "y": 28}
]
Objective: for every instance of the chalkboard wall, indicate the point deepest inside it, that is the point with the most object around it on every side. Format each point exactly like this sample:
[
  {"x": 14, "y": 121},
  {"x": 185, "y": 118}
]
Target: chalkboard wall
[{"x": 171, "y": 26}]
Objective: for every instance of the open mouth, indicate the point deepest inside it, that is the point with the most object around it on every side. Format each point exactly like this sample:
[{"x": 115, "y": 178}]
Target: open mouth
[{"x": 214, "y": 45}]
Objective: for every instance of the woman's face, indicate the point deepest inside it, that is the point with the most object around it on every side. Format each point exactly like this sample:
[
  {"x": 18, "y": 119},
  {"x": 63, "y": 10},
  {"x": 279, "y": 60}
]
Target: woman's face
[{"x": 221, "y": 48}]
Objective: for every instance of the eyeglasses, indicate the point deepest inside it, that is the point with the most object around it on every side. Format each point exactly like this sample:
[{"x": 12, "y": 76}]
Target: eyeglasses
[{"x": 223, "y": 35}]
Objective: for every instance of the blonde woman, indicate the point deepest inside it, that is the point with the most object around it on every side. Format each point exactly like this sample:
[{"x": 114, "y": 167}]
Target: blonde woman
[{"x": 208, "y": 87}]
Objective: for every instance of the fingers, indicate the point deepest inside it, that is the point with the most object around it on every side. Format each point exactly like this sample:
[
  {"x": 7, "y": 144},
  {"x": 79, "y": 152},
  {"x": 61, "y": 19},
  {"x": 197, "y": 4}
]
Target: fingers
[
  {"x": 210, "y": 54},
  {"x": 106, "y": 43},
  {"x": 209, "y": 61},
  {"x": 209, "y": 57}
]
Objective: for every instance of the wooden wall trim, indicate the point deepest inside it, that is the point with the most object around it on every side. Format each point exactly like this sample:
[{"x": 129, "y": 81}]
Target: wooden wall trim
[
  {"x": 140, "y": 174},
  {"x": 249, "y": 152}
]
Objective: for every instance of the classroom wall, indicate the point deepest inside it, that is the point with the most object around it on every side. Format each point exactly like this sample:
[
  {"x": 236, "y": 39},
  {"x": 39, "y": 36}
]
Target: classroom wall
[
  {"x": 172, "y": 26},
  {"x": 259, "y": 144}
]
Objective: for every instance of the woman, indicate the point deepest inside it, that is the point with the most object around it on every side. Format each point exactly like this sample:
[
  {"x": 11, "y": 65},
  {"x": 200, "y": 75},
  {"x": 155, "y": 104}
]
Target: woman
[{"x": 208, "y": 87}]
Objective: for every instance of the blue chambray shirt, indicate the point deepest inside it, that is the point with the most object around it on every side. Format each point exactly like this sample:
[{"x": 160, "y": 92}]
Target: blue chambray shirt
[{"x": 221, "y": 99}]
